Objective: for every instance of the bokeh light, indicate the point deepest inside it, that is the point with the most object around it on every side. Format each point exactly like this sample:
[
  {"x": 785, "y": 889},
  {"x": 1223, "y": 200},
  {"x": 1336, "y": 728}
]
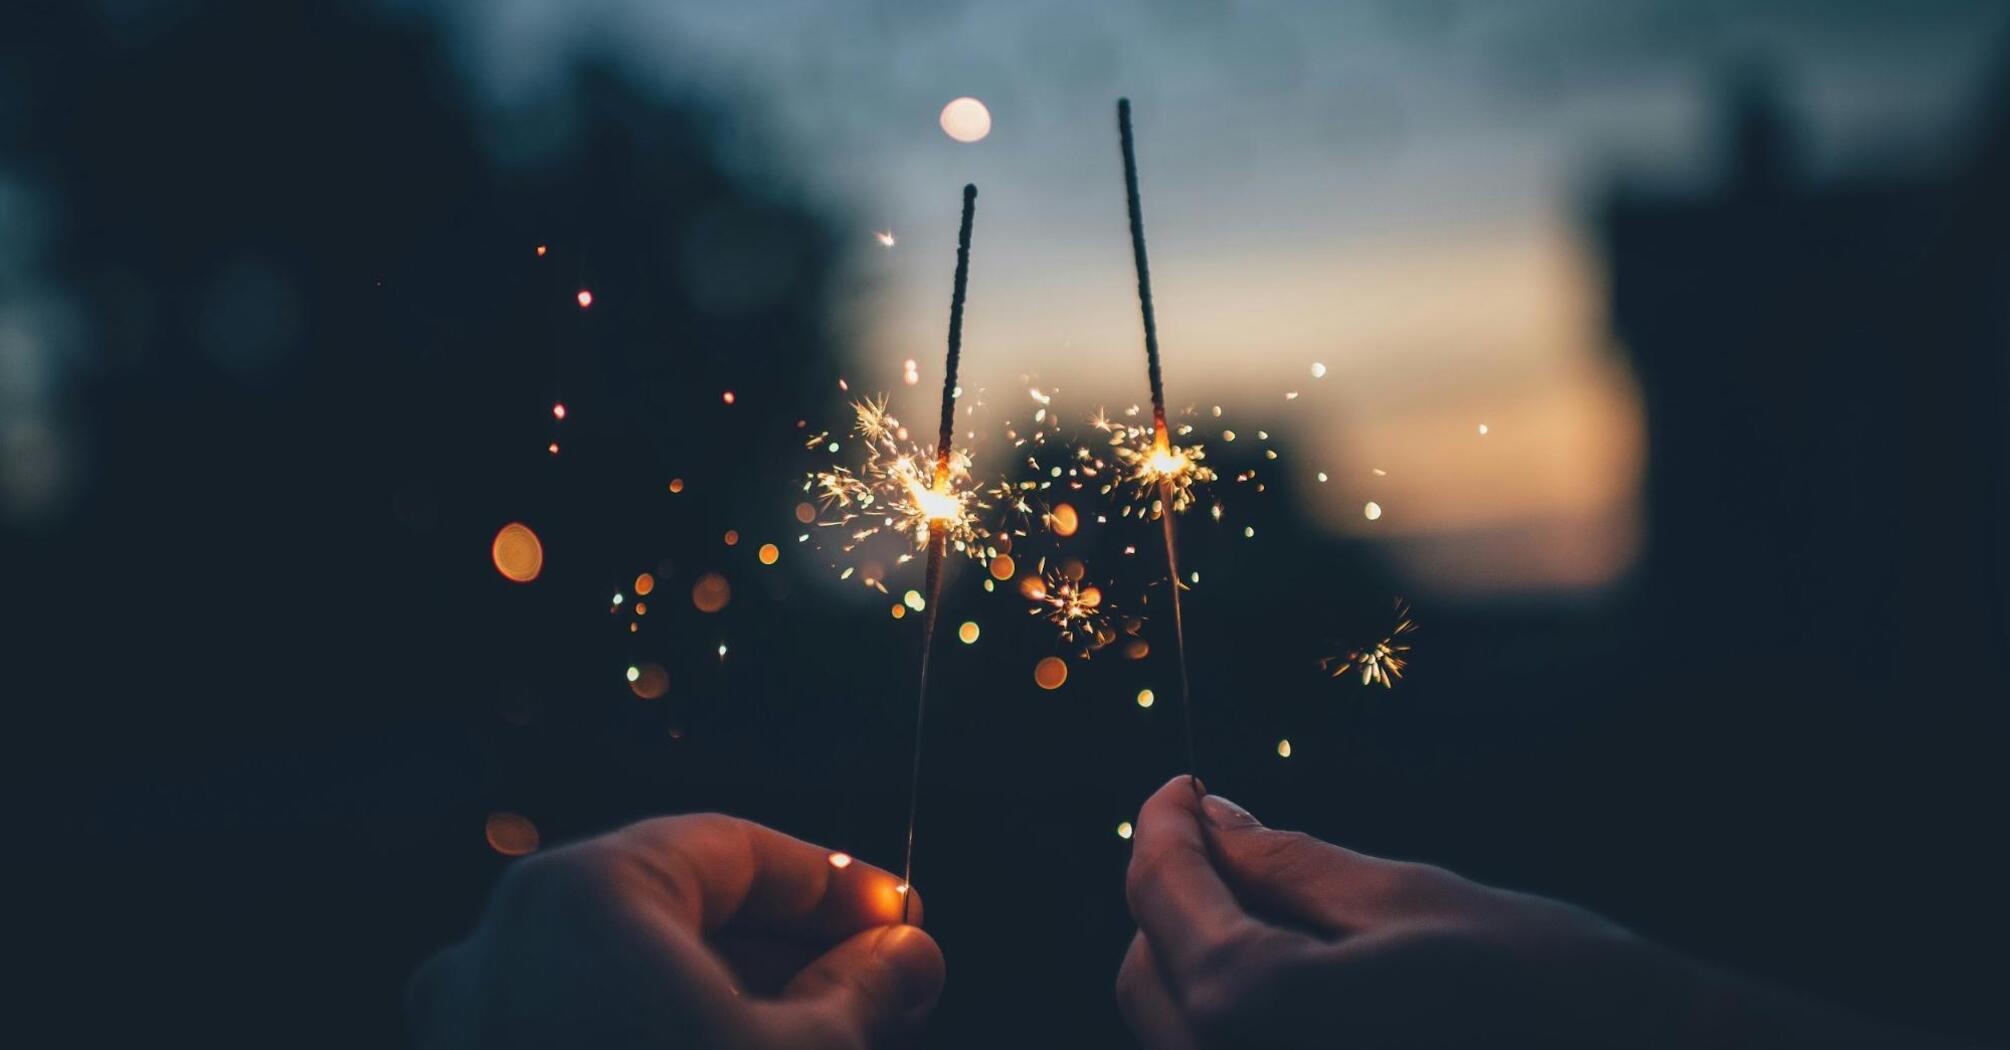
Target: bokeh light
[
  {"x": 968, "y": 632},
  {"x": 585, "y": 298},
  {"x": 1002, "y": 567},
  {"x": 644, "y": 584},
  {"x": 650, "y": 682},
  {"x": 511, "y": 834},
  {"x": 770, "y": 554},
  {"x": 1284, "y": 749},
  {"x": 1123, "y": 829},
  {"x": 966, "y": 120},
  {"x": 1063, "y": 520},
  {"x": 1050, "y": 672},
  {"x": 711, "y": 593},
  {"x": 1372, "y": 511},
  {"x": 517, "y": 553},
  {"x": 1145, "y": 698},
  {"x": 840, "y": 861}
]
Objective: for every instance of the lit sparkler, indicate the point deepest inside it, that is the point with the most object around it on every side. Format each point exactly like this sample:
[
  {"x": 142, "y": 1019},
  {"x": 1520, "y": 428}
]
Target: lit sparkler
[
  {"x": 936, "y": 511},
  {"x": 1166, "y": 466},
  {"x": 1381, "y": 662}
]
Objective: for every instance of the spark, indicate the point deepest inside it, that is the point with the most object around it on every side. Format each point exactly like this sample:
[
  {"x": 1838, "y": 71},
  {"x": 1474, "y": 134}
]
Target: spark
[
  {"x": 1124, "y": 829},
  {"x": 840, "y": 860},
  {"x": 884, "y": 237},
  {"x": 585, "y": 298},
  {"x": 1483, "y": 430},
  {"x": 1383, "y": 661},
  {"x": 1075, "y": 609},
  {"x": 1318, "y": 370},
  {"x": 899, "y": 488},
  {"x": 1154, "y": 467}
]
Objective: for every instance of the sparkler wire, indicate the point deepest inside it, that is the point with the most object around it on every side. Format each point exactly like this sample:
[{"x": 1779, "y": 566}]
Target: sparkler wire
[
  {"x": 938, "y": 533},
  {"x": 1161, "y": 437}
]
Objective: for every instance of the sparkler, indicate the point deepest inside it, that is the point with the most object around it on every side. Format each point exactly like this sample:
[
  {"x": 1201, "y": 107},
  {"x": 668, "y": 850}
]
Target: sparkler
[
  {"x": 938, "y": 512},
  {"x": 1173, "y": 471},
  {"x": 1381, "y": 662}
]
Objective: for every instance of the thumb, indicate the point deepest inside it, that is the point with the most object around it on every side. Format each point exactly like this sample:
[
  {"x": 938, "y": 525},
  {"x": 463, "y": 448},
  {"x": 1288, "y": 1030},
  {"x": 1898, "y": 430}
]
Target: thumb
[
  {"x": 875, "y": 986},
  {"x": 1292, "y": 875}
]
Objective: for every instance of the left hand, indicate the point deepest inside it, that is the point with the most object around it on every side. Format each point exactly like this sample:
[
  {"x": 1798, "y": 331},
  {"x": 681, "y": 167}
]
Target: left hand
[{"x": 692, "y": 931}]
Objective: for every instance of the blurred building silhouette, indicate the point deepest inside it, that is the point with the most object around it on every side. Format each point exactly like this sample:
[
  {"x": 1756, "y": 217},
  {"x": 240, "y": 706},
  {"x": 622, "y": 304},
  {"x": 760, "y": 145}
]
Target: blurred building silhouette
[{"x": 1822, "y": 369}]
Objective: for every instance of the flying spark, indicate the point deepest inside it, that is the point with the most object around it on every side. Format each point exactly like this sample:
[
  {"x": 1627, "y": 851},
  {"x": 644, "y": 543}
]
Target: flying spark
[{"x": 1383, "y": 661}]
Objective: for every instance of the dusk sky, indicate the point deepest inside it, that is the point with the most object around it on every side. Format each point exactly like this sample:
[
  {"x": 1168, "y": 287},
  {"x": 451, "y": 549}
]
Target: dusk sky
[{"x": 1396, "y": 190}]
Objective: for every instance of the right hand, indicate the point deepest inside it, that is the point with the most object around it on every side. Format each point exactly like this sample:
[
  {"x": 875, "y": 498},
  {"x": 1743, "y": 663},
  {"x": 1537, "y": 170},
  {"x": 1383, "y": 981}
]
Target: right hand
[{"x": 1249, "y": 937}]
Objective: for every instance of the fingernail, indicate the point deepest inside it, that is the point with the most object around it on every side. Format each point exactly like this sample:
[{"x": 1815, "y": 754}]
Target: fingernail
[{"x": 1225, "y": 814}]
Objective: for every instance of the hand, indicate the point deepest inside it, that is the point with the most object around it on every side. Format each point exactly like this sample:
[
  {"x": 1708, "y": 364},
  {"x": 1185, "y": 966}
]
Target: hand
[
  {"x": 1253, "y": 937},
  {"x": 693, "y": 931}
]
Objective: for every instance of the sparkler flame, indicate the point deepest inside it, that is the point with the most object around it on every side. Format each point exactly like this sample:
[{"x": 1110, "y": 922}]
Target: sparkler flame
[
  {"x": 1162, "y": 476},
  {"x": 899, "y": 487}
]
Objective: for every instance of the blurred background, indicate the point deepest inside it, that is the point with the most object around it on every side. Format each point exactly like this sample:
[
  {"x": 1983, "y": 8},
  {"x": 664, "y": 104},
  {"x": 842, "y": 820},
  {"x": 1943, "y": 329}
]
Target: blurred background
[{"x": 1666, "y": 340}]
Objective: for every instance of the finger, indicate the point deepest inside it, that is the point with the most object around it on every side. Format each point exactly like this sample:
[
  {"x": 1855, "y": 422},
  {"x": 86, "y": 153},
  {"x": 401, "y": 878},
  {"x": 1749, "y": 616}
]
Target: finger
[
  {"x": 716, "y": 870},
  {"x": 1147, "y": 1004},
  {"x": 1181, "y": 906},
  {"x": 873, "y": 988},
  {"x": 1294, "y": 877}
]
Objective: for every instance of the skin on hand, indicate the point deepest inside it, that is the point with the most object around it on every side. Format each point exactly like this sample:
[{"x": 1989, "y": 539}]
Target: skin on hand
[
  {"x": 690, "y": 931},
  {"x": 1249, "y": 937}
]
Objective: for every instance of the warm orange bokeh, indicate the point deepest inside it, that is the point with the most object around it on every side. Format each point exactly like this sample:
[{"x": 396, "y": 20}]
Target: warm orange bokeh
[
  {"x": 1050, "y": 672},
  {"x": 770, "y": 554},
  {"x": 511, "y": 834},
  {"x": 517, "y": 553},
  {"x": 711, "y": 592},
  {"x": 1002, "y": 567},
  {"x": 644, "y": 584},
  {"x": 1063, "y": 520},
  {"x": 651, "y": 683}
]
